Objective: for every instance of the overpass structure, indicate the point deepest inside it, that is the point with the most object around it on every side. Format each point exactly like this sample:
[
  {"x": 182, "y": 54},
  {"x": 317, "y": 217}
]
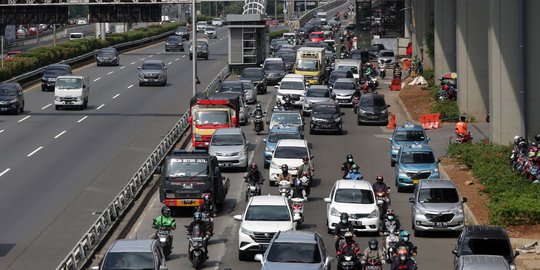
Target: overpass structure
[{"x": 491, "y": 44}]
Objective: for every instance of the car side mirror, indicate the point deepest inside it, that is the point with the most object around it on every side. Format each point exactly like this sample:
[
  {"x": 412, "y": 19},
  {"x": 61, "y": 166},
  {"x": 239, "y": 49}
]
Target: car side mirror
[
  {"x": 342, "y": 113},
  {"x": 516, "y": 253},
  {"x": 237, "y": 217},
  {"x": 428, "y": 139},
  {"x": 260, "y": 65},
  {"x": 454, "y": 251},
  {"x": 139, "y": 68},
  {"x": 389, "y": 139},
  {"x": 327, "y": 200},
  {"x": 163, "y": 267},
  {"x": 158, "y": 169},
  {"x": 328, "y": 261},
  {"x": 411, "y": 200},
  {"x": 267, "y": 122},
  {"x": 258, "y": 257},
  {"x": 464, "y": 200},
  {"x": 438, "y": 160},
  {"x": 264, "y": 140},
  {"x": 165, "y": 68}
]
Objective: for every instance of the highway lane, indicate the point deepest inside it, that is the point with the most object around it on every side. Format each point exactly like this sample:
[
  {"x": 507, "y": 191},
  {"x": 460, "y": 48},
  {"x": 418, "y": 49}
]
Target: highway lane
[{"x": 66, "y": 165}]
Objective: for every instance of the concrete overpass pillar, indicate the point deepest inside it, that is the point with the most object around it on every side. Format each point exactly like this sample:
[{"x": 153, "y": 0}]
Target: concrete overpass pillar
[
  {"x": 503, "y": 49},
  {"x": 532, "y": 69},
  {"x": 445, "y": 36},
  {"x": 472, "y": 18},
  {"x": 422, "y": 19}
]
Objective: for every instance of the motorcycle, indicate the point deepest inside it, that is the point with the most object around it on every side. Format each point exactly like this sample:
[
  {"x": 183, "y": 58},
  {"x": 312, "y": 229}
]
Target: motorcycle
[
  {"x": 355, "y": 102},
  {"x": 252, "y": 190},
  {"x": 391, "y": 237},
  {"x": 209, "y": 220},
  {"x": 164, "y": 235},
  {"x": 372, "y": 264},
  {"x": 383, "y": 201},
  {"x": 347, "y": 263},
  {"x": 258, "y": 124},
  {"x": 285, "y": 188},
  {"x": 196, "y": 249},
  {"x": 464, "y": 138},
  {"x": 382, "y": 71},
  {"x": 297, "y": 206}
]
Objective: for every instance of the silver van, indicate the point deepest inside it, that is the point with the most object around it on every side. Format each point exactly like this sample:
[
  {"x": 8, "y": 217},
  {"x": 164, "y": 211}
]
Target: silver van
[
  {"x": 482, "y": 262},
  {"x": 71, "y": 91},
  {"x": 133, "y": 254},
  {"x": 437, "y": 206}
]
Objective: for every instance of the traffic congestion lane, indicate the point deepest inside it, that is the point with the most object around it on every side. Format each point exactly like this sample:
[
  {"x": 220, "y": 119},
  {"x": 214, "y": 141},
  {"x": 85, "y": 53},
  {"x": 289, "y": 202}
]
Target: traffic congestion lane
[{"x": 79, "y": 173}]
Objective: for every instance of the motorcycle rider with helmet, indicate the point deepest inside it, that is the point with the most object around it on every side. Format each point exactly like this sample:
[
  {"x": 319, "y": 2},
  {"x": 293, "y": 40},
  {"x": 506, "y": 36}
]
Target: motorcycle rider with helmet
[
  {"x": 379, "y": 185},
  {"x": 306, "y": 167},
  {"x": 279, "y": 106},
  {"x": 258, "y": 114},
  {"x": 403, "y": 261},
  {"x": 203, "y": 226},
  {"x": 347, "y": 165},
  {"x": 298, "y": 190},
  {"x": 287, "y": 103},
  {"x": 285, "y": 175},
  {"x": 404, "y": 242},
  {"x": 390, "y": 220},
  {"x": 373, "y": 252},
  {"x": 254, "y": 177},
  {"x": 354, "y": 174},
  {"x": 342, "y": 227},
  {"x": 208, "y": 207},
  {"x": 349, "y": 248},
  {"x": 165, "y": 220}
]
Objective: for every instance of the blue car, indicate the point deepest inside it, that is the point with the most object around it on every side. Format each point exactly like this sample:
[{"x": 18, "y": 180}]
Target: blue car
[
  {"x": 277, "y": 133},
  {"x": 405, "y": 135},
  {"x": 415, "y": 162}
]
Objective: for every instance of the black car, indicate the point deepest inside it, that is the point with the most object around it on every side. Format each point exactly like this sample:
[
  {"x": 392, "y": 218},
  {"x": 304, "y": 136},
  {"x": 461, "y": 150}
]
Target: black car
[
  {"x": 183, "y": 32},
  {"x": 274, "y": 70},
  {"x": 257, "y": 77},
  {"x": 274, "y": 43},
  {"x": 108, "y": 56},
  {"x": 51, "y": 73},
  {"x": 326, "y": 116},
  {"x": 339, "y": 73},
  {"x": 289, "y": 59},
  {"x": 174, "y": 43},
  {"x": 11, "y": 98},
  {"x": 375, "y": 49},
  {"x": 360, "y": 55},
  {"x": 372, "y": 109},
  {"x": 202, "y": 50}
]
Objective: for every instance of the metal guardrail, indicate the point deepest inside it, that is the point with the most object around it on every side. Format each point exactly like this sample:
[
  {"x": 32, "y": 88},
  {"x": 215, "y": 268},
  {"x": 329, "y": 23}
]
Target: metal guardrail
[
  {"x": 31, "y": 75},
  {"x": 86, "y": 247},
  {"x": 308, "y": 15}
]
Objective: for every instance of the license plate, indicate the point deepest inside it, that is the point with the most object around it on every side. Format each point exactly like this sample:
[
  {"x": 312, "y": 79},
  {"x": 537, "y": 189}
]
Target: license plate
[
  {"x": 440, "y": 225},
  {"x": 372, "y": 267},
  {"x": 189, "y": 202},
  {"x": 357, "y": 223},
  {"x": 326, "y": 126},
  {"x": 416, "y": 181},
  {"x": 348, "y": 263},
  {"x": 342, "y": 101},
  {"x": 4, "y": 109},
  {"x": 225, "y": 164}
]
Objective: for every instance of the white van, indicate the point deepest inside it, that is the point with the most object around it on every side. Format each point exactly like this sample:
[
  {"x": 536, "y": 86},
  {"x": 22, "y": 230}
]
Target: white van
[
  {"x": 74, "y": 36},
  {"x": 71, "y": 90}
]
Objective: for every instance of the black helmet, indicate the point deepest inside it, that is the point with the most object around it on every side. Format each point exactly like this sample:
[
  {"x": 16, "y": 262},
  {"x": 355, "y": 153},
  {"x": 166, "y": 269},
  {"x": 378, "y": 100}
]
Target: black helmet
[
  {"x": 166, "y": 211},
  {"x": 278, "y": 103},
  {"x": 537, "y": 137},
  {"x": 197, "y": 216},
  {"x": 349, "y": 158},
  {"x": 373, "y": 243},
  {"x": 258, "y": 106},
  {"x": 284, "y": 168},
  {"x": 344, "y": 218},
  {"x": 254, "y": 166}
]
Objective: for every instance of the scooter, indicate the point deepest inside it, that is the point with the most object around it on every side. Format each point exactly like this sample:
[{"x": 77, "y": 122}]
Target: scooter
[
  {"x": 196, "y": 251},
  {"x": 285, "y": 188},
  {"x": 164, "y": 235},
  {"x": 258, "y": 124},
  {"x": 464, "y": 138},
  {"x": 382, "y": 71},
  {"x": 383, "y": 200},
  {"x": 391, "y": 237},
  {"x": 372, "y": 264},
  {"x": 252, "y": 190},
  {"x": 297, "y": 205},
  {"x": 347, "y": 263}
]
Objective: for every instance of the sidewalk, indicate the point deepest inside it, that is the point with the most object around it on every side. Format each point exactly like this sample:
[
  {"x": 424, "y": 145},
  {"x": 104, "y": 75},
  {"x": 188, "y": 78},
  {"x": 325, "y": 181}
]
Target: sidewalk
[{"x": 439, "y": 142}]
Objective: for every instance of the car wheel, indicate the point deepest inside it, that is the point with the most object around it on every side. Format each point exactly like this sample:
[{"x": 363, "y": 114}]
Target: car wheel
[
  {"x": 311, "y": 131},
  {"x": 22, "y": 108},
  {"x": 182, "y": 49},
  {"x": 43, "y": 89},
  {"x": 206, "y": 58},
  {"x": 190, "y": 57},
  {"x": 358, "y": 122},
  {"x": 166, "y": 50},
  {"x": 266, "y": 166},
  {"x": 141, "y": 84},
  {"x": 392, "y": 163},
  {"x": 340, "y": 131},
  {"x": 243, "y": 255},
  {"x": 271, "y": 183},
  {"x": 417, "y": 233},
  {"x": 57, "y": 107},
  {"x": 399, "y": 189}
]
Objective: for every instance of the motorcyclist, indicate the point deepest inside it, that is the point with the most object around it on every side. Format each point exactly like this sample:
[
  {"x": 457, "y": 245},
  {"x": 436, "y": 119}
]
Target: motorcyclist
[
  {"x": 373, "y": 252},
  {"x": 285, "y": 175},
  {"x": 279, "y": 106},
  {"x": 354, "y": 174},
  {"x": 379, "y": 185},
  {"x": 342, "y": 227},
  {"x": 287, "y": 103},
  {"x": 397, "y": 71},
  {"x": 165, "y": 220},
  {"x": 390, "y": 220},
  {"x": 306, "y": 167},
  {"x": 254, "y": 176},
  {"x": 258, "y": 114},
  {"x": 298, "y": 191},
  {"x": 349, "y": 248},
  {"x": 403, "y": 261},
  {"x": 208, "y": 207},
  {"x": 203, "y": 226},
  {"x": 346, "y": 166},
  {"x": 461, "y": 126},
  {"x": 404, "y": 242},
  {"x": 343, "y": 51}
]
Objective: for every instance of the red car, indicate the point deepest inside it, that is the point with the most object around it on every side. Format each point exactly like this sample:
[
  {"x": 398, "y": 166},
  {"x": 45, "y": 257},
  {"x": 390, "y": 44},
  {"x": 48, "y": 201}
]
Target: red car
[
  {"x": 11, "y": 55},
  {"x": 316, "y": 36}
]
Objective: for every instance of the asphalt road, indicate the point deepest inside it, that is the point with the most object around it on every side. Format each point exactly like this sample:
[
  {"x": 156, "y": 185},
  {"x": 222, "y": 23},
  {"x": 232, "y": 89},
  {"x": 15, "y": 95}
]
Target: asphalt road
[{"x": 59, "y": 168}]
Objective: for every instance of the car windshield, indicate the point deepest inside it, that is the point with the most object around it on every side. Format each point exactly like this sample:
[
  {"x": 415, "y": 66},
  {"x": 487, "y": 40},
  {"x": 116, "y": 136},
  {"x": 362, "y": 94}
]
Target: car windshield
[
  {"x": 373, "y": 101},
  {"x": 128, "y": 261},
  {"x": 286, "y": 118},
  {"x": 181, "y": 29},
  {"x": 231, "y": 87},
  {"x": 307, "y": 65},
  {"x": 318, "y": 93},
  {"x": 294, "y": 253},
  {"x": 201, "y": 44},
  {"x": 182, "y": 167},
  {"x": 291, "y": 85},
  {"x": 152, "y": 66},
  {"x": 273, "y": 66},
  {"x": 417, "y": 158},
  {"x": 56, "y": 70},
  {"x": 288, "y": 57},
  {"x": 227, "y": 140},
  {"x": 387, "y": 54},
  {"x": 255, "y": 74},
  {"x": 174, "y": 39},
  {"x": 107, "y": 54},
  {"x": 210, "y": 28},
  {"x": 69, "y": 83},
  {"x": 7, "y": 91},
  {"x": 325, "y": 109},
  {"x": 345, "y": 85},
  {"x": 438, "y": 195},
  {"x": 268, "y": 213},
  {"x": 316, "y": 35},
  {"x": 212, "y": 117},
  {"x": 409, "y": 136},
  {"x": 275, "y": 137},
  {"x": 290, "y": 152},
  {"x": 358, "y": 196},
  {"x": 489, "y": 246}
]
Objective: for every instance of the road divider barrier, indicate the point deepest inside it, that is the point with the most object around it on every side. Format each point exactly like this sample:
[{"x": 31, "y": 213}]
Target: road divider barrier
[
  {"x": 391, "y": 121},
  {"x": 430, "y": 121}
]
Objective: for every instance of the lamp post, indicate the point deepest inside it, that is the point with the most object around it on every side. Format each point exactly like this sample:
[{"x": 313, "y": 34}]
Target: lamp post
[{"x": 194, "y": 44}]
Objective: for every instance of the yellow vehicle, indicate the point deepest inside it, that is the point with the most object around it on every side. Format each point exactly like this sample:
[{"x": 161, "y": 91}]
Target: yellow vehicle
[{"x": 311, "y": 62}]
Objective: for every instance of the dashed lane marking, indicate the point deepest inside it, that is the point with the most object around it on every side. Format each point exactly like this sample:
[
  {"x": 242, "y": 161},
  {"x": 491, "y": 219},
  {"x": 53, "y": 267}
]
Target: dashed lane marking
[
  {"x": 97, "y": 79},
  {"x": 115, "y": 96},
  {"x": 130, "y": 86},
  {"x": 35, "y": 151},
  {"x": 100, "y": 106},
  {"x": 110, "y": 72},
  {"x": 82, "y": 119},
  {"x": 5, "y": 171},
  {"x": 59, "y": 134},
  {"x": 24, "y": 119},
  {"x": 46, "y": 106}
]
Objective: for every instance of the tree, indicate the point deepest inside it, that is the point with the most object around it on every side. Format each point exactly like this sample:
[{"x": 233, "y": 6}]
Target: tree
[{"x": 233, "y": 8}]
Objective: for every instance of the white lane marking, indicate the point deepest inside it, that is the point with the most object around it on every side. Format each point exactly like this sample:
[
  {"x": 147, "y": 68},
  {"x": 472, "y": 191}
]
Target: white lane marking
[
  {"x": 111, "y": 72},
  {"x": 130, "y": 86},
  {"x": 158, "y": 53},
  {"x": 35, "y": 151},
  {"x": 59, "y": 134},
  {"x": 97, "y": 79},
  {"x": 24, "y": 119},
  {"x": 1, "y": 131},
  {"x": 176, "y": 59},
  {"x": 82, "y": 119},
  {"x": 5, "y": 171},
  {"x": 169, "y": 63},
  {"x": 132, "y": 63},
  {"x": 151, "y": 56},
  {"x": 184, "y": 55},
  {"x": 122, "y": 67},
  {"x": 46, "y": 106},
  {"x": 142, "y": 59},
  {"x": 100, "y": 106},
  {"x": 115, "y": 96}
]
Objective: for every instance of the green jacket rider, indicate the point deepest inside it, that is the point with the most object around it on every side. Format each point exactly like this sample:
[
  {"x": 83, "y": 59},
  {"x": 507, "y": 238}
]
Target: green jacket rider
[{"x": 165, "y": 220}]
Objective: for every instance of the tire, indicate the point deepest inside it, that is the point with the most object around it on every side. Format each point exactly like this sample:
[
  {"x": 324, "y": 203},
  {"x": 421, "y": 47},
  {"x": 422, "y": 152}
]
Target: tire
[
  {"x": 43, "y": 89},
  {"x": 266, "y": 166},
  {"x": 243, "y": 255},
  {"x": 57, "y": 107},
  {"x": 85, "y": 104},
  {"x": 417, "y": 233},
  {"x": 392, "y": 163},
  {"x": 358, "y": 122},
  {"x": 190, "y": 57},
  {"x": 271, "y": 183},
  {"x": 206, "y": 58},
  {"x": 166, "y": 50},
  {"x": 399, "y": 189},
  {"x": 22, "y": 108},
  {"x": 141, "y": 84},
  {"x": 340, "y": 131},
  {"x": 311, "y": 131}
]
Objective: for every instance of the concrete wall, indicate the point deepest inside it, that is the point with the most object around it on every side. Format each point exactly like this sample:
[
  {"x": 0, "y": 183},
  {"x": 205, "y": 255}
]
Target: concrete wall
[
  {"x": 472, "y": 20},
  {"x": 532, "y": 69},
  {"x": 445, "y": 36},
  {"x": 422, "y": 18}
]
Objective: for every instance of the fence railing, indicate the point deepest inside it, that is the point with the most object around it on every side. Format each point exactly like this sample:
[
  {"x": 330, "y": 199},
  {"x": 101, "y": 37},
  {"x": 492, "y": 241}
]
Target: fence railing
[
  {"x": 86, "y": 247},
  {"x": 310, "y": 14}
]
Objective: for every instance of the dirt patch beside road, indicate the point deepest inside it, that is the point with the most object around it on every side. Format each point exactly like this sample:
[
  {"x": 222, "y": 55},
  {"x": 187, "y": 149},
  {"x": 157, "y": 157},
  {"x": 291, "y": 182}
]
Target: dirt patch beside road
[{"x": 417, "y": 100}]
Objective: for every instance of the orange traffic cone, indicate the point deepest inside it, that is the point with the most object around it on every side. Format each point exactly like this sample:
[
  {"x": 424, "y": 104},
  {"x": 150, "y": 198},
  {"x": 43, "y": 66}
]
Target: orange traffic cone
[{"x": 392, "y": 122}]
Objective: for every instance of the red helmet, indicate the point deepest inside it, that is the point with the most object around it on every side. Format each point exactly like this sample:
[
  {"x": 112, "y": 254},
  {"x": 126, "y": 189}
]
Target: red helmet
[{"x": 445, "y": 87}]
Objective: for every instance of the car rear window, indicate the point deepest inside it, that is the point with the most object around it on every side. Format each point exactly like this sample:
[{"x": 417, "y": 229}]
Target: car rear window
[
  {"x": 294, "y": 253},
  {"x": 409, "y": 136},
  {"x": 372, "y": 101},
  {"x": 227, "y": 140},
  {"x": 318, "y": 93},
  {"x": 417, "y": 158},
  {"x": 268, "y": 213},
  {"x": 359, "y": 196},
  {"x": 438, "y": 195},
  {"x": 290, "y": 152},
  {"x": 345, "y": 85},
  {"x": 387, "y": 54},
  {"x": 152, "y": 66},
  {"x": 275, "y": 137},
  {"x": 490, "y": 247},
  {"x": 126, "y": 260}
]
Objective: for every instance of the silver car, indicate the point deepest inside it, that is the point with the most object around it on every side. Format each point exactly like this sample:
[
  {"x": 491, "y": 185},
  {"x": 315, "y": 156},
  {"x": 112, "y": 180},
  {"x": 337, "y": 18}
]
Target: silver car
[
  {"x": 244, "y": 113},
  {"x": 386, "y": 58},
  {"x": 153, "y": 72},
  {"x": 295, "y": 250},
  {"x": 344, "y": 89},
  {"x": 210, "y": 32},
  {"x": 314, "y": 94},
  {"x": 230, "y": 147},
  {"x": 250, "y": 92},
  {"x": 124, "y": 253},
  {"x": 437, "y": 206}
]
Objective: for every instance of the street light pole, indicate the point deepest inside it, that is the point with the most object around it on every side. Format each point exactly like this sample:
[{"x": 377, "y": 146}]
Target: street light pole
[{"x": 194, "y": 44}]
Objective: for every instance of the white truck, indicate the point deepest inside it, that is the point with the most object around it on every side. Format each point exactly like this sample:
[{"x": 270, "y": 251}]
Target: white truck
[
  {"x": 71, "y": 91},
  {"x": 354, "y": 65},
  {"x": 321, "y": 16}
]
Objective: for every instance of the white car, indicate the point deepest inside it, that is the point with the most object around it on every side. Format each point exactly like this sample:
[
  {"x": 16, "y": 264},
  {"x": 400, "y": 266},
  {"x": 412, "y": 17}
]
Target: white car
[
  {"x": 290, "y": 152},
  {"x": 264, "y": 216},
  {"x": 210, "y": 32},
  {"x": 201, "y": 26},
  {"x": 356, "y": 198},
  {"x": 217, "y": 22},
  {"x": 293, "y": 85}
]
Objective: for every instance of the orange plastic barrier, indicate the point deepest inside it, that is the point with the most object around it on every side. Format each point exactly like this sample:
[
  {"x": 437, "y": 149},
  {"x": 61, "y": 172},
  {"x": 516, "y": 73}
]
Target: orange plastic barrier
[
  {"x": 406, "y": 63},
  {"x": 395, "y": 85},
  {"x": 430, "y": 121},
  {"x": 392, "y": 122}
]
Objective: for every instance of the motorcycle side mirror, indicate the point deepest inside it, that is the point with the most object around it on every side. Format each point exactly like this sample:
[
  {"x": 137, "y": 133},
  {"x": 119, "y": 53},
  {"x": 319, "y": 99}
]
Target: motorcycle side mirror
[
  {"x": 327, "y": 200},
  {"x": 186, "y": 226},
  {"x": 516, "y": 253},
  {"x": 258, "y": 257},
  {"x": 464, "y": 199},
  {"x": 342, "y": 113},
  {"x": 388, "y": 190},
  {"x": 438, "y": 160},
  {"x": 328, "y": 260},
  {"x": 454, "y": 252},
  {"x": 237, "y": 217},
  {"x": 312, "y": 157},
  {"x": 411, "y": 200},
  {"x": 390, "y": 139},
  {"x": 428, "y": 139},
  {"x": 264, "y": 140}
]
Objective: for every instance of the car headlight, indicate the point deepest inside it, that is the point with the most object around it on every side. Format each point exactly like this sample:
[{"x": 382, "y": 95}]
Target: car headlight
[
  {"x": 458, "y": 211},
  {"x": 57, "y": 98},
  {"x": 268, "y": 149},
  {"x": 13, "y": 101},
  {"x": 51, "y": 79},
  {"x": 420, "y": 211},
  {"x": 274, "y": 166},
  {"x": 317, "y": 119},
  {"x": 435, "y": 170},
  {"x": 361, "y": 111},
  {"x": 383, "y": 111},
  {"x": 374, "y": 214},
  {"x": 402, "y": 171},
  {"x": 337, "y": 119},
  {"x": 395, "y": 147},
  {"x": 210, "y": 152},
  {"x": 246, "y": 231},
  {"x": 242, "y": 153},
  {"x": 167, "y": 43},
  {"x": 334, "y": 212}
]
